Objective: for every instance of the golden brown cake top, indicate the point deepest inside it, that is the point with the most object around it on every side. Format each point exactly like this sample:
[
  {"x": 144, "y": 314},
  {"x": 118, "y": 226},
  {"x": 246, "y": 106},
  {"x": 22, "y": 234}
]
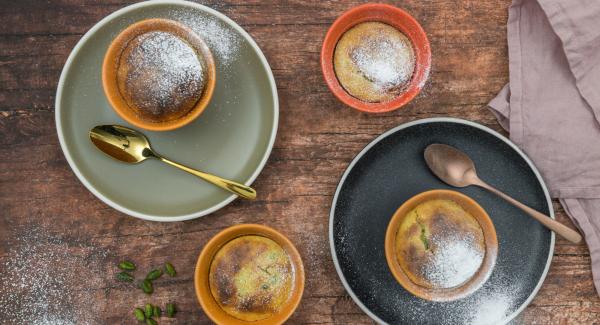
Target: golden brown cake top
[
  {"x": 374, "y": 62},
  {"x": 160, "y": 76},
  {"x": 251, "y": 277},
  {"x": 439, "y": 244}
]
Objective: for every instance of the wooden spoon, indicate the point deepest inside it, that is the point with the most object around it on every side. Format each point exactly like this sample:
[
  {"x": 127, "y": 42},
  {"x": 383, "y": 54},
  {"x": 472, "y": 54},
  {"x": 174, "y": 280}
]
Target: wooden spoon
[{"x": 456, "y": 168}]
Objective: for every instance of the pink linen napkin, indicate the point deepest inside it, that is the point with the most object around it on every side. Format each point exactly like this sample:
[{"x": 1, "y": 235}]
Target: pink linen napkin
[{"x": 551, "y": 106}]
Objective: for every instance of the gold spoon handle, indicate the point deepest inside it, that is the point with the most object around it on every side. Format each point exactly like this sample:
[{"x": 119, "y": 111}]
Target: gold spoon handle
[
  {"x": 231, "y": 186},
  {"x": 560, "y": 229}
]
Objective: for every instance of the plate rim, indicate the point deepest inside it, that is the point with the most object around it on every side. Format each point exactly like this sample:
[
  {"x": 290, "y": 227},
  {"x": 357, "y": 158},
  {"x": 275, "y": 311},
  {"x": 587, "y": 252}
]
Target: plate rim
[
  {"x": 68, "y": 64},
  {"x": 427, "y": 121}
]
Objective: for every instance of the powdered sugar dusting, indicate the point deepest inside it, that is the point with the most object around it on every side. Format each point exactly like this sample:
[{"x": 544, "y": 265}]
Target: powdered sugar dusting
[
  {"x": 387, "y": 62},
  {"x": 491, "y": 305},
  {"x": 455, "y": 259},
  {"x": 425, "y": 77},
  {"x": 36, "y": 286},
  {"x": 220, "y": 38},
  {"x": 165, "y": 73}
]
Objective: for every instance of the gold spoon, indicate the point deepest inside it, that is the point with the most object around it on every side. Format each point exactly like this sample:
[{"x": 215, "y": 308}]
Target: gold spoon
[
  {"x": 457, "y": 169},
  {"x": 131, "y": 146}
]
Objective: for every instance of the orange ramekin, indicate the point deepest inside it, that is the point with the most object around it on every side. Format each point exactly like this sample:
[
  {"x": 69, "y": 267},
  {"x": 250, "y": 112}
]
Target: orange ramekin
[
  {"x": 111, "y": 64},
  {"x": 394, "y": 17},
  {"x": 201, "y": 274},
  {"x": 447, "y": 294}
]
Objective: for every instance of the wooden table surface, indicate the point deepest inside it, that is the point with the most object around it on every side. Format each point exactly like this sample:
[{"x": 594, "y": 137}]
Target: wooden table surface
[{"x": 59, "y": 244}]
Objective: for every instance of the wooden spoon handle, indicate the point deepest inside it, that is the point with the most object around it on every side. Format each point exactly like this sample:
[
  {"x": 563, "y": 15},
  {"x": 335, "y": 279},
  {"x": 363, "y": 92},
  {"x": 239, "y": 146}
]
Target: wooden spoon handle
[{"x": 560, "y": 229}]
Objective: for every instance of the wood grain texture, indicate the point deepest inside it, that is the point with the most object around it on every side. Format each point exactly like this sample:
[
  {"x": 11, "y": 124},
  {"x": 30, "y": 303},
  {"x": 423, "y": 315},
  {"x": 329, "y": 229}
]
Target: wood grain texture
[{"x": 318, "y": 136}]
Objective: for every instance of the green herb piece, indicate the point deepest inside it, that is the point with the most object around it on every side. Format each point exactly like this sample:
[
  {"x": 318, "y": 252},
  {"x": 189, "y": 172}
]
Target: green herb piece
[
  {"x": 156, "y": 312},
  {"x": 146, "y": 285},
  {"x": 154, "y": 274},
  {"x": 139, "y": 315},
  {"x": 150, "y": 321},
  {"x": 127, "y": 266},
  {"x": 423, "y": 235},
  {"x": 265, "y": 287},
  {"x": 170, "y": 269},
  {"x": 148, "y": 311},
  {"x": 424, "y": 239},
  {"x": 124, "y": 276},
  {"x": 171, "y": 310},
  {"x": 266, "y": 270}
]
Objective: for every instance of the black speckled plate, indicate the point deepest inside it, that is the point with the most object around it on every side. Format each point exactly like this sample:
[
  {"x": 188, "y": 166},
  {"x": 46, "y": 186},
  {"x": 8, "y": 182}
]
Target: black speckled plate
[{"x": 390, "y": 170}]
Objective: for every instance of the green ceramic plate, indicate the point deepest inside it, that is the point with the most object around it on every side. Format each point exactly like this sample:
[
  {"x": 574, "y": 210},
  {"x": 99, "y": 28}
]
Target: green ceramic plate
[{"x": 232, "y": 138}]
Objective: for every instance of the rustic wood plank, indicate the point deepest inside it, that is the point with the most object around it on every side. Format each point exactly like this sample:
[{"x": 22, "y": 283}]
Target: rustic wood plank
[{"x": 318, "y": 137}]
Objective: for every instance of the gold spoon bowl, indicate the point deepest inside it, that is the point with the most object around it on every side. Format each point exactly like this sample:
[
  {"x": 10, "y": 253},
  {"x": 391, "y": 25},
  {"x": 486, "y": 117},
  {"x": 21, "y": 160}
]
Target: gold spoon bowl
[{"x": 130, "y": 146}]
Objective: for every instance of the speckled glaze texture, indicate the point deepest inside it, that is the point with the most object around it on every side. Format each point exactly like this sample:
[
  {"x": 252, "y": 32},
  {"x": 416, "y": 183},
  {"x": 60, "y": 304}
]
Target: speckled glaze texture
[{"x": 390, "y": 171}]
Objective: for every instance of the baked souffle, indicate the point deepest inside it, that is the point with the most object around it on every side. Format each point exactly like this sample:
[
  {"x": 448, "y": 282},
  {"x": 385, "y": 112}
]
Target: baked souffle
[
  {"x": 374, "y": 62},
  {"x": 251, "y": 277},
  {"x": 439, "y": 245},
  {"x": 160, "y": 76}
]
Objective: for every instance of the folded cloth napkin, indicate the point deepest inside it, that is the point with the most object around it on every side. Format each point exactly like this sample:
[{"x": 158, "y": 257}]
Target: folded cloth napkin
[{"x": 551, "y": 105}]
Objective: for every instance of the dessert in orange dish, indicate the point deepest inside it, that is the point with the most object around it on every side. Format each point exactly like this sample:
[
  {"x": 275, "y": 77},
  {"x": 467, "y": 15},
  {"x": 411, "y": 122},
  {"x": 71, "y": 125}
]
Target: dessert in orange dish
[
  {"x": 441, "y": 245},
  {"x": 249, "y": 274},
  {"x": 251, "y": 277},
  {"x": 158, "y": 74},
  {"x": 374, "y": 62},
  {"x": 375, "y": 58}
]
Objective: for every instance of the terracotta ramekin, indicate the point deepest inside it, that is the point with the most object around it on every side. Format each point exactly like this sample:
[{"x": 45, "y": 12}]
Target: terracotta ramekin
[
  {"x": 111, "y": 64},
  {"x": 392, "y": 16},
  {"x": 490, "y": 239},
  {"x": 201, "y": 275}
]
